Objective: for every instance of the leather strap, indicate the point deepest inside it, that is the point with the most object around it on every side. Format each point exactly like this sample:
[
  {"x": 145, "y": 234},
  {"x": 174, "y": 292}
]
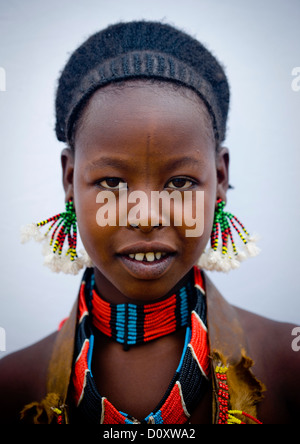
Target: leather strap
[
  {"x": 60, "y": 365},
  {"x": 228, "y": 348},
  {"x": 53, "y": 407}
]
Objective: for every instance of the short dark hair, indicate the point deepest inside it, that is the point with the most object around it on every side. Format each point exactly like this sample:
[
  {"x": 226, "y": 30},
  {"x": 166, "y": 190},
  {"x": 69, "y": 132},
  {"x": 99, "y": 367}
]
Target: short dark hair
[{"x": 140, "y": 49}]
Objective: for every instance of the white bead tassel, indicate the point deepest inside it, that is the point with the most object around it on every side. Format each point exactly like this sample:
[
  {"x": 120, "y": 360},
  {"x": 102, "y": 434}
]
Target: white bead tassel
[
  {"x": 251, "y": 248},
  {"x": 31, "y": 231},
  {"x": 56, "y": 262},
  {"x": 227, "y": 257},
  {"x": 214, "y": 260}
]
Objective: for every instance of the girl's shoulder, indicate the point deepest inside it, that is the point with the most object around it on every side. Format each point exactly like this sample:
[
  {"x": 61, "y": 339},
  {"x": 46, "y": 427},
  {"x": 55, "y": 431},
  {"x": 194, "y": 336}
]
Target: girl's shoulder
[
  {"x": 275, "y": 350},
  {"x": 265, "y": 335},
  {"x": 23, "y": 378}
]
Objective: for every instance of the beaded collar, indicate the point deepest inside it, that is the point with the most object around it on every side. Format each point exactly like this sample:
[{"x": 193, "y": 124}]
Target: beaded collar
[
  {"x": 187, "y": 386},
  {"x": 131, "y": 324}
]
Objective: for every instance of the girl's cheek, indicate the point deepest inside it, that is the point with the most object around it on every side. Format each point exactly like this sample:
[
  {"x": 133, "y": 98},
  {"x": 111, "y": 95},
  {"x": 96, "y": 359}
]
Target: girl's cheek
[{"x": 194, "y": 214}]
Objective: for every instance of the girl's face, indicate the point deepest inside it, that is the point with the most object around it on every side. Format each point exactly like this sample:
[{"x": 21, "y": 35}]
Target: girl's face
[{"x": 152, "y": 138}]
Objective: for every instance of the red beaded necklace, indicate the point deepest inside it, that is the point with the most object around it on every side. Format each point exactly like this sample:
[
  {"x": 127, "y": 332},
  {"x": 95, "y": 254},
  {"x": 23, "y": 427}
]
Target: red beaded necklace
[
  {"x": 131, "y": 324},
  {"x": 188, "y": 385}
]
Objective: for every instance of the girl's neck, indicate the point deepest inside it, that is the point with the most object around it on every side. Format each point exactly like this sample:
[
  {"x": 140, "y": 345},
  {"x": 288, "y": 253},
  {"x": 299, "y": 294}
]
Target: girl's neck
[
  {"x": 113, "y": 295},
  {"x": 131, "y": 324}
]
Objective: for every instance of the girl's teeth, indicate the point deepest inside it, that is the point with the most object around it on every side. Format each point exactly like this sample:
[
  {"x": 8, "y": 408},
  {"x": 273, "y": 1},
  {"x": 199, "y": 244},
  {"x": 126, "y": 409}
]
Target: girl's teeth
[
  {"x": 139, "y": 256},
  {"x": 149, "y": 257}
]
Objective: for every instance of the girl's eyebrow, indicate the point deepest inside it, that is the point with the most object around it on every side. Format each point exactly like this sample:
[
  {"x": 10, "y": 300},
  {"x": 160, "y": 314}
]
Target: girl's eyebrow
[
  {"x": 181, "y": 161},
  {"x": 107, "y": 161},
  {"x": 123, "y": 164}
]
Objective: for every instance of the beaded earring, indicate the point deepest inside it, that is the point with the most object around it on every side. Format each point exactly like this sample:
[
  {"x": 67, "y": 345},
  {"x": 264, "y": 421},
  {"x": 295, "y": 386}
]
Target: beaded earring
[
  {"x": 225, "y": 256},
  {"x": 63, "y": 226}
]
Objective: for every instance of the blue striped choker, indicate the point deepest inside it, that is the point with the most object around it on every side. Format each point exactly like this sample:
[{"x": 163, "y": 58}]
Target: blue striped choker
[
  {"x": 131, "y": 324},
  {"x": 188, "y": 384}
]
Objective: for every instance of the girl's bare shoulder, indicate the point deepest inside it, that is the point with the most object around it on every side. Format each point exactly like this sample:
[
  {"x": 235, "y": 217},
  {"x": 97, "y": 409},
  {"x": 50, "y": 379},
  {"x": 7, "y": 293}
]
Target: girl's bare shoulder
[
  {"x": 23, "y": 378},
  {"x": 275, "y": 349},
  {"x": 266, "y": 336}
]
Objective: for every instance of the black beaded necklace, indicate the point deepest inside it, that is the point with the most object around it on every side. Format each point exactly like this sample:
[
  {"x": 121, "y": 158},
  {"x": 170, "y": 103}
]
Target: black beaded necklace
[{"x": 188, "y": 384}]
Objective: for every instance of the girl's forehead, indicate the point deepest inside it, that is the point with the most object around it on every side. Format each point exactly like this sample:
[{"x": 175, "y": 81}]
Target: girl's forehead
[
  {"x": 139, "y": 112},
  {"x": 146, "y": 92}
]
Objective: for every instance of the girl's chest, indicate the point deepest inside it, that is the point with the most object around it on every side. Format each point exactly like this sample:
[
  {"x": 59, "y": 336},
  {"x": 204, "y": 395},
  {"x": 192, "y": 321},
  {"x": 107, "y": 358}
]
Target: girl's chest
[{"x": 137, "y": 381}]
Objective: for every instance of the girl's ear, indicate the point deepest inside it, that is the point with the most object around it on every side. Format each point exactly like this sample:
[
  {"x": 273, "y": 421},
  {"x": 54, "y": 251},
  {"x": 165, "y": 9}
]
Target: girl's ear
[
  {"x": 222, "y": 166},
  {"x": 67, "y": 163}
]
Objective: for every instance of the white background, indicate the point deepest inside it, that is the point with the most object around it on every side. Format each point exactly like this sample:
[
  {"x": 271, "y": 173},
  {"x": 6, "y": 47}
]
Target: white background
[{"x": 259, "y": 44}]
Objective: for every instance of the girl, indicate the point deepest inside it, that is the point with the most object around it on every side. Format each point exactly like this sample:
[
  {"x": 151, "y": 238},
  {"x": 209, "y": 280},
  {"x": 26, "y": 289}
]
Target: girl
[{"x": 142, "y": 108}]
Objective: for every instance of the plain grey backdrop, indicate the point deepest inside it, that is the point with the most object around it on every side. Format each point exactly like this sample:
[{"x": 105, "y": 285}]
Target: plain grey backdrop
[{"x": 258, "y": 42}]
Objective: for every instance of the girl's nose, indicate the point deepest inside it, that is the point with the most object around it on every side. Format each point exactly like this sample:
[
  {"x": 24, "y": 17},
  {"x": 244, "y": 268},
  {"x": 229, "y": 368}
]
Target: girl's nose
[{"x": 145, "y": 215}]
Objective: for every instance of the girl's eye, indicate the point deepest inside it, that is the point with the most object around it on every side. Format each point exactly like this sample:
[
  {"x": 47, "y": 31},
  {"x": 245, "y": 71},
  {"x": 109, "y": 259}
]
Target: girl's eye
[
  {"x": 113, "y": 183},
  {"x": 181, "y": 183}
]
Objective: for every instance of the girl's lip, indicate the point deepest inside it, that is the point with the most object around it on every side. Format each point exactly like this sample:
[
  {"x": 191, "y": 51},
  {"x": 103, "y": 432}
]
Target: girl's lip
[
  {"x": 147, "y": 270},
  {"x": 145, "y": 247}
]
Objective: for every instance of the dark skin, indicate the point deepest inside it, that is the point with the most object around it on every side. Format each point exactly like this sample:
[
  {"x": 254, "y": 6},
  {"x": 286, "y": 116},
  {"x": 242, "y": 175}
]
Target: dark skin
[
  {"x": 144, "y": 141},
  {"x": 145, "y": 128}
]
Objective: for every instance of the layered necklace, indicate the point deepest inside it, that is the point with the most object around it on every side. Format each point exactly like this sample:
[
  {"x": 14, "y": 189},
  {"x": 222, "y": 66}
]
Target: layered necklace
[{"x": 130, "y": 324}]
